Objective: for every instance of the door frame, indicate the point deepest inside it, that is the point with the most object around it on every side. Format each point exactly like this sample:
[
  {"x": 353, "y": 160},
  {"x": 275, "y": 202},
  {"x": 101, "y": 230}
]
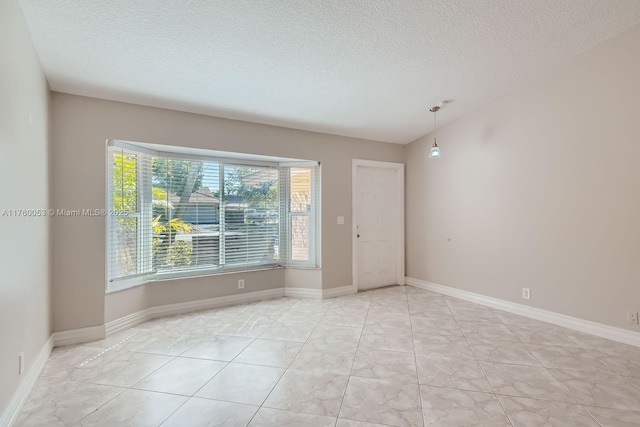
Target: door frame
[{"x": 398, "y": 202}]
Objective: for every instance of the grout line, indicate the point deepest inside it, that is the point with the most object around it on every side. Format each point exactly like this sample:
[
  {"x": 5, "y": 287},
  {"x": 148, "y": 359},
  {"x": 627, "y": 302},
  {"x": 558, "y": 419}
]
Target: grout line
[
  {"x": 289, "y": 411},
  {"x": 592, "y": 416},
  {"x": 253, "y": 339},
  {"x": 628, "y": 380},
  {"x": 479, "y": 365},
  {"x": 176, "y": 410},
  {"x": 288, "y": 366},
  {"x": 415, "y": 359},
  {"x": 564, "y": 386},
  {"x": 99, "y": 407},
  {"x": 130, "y": 387},
  {"x": 353, "y": 361}
]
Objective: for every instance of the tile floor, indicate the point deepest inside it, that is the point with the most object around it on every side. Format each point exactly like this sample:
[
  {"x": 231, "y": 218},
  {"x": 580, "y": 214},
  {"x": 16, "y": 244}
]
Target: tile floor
[{"x": 397, "y": 356}]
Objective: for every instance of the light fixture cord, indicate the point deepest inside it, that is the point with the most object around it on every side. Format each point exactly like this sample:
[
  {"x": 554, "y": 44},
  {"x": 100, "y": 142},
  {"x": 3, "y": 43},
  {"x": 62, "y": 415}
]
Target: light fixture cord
[
  {"x": 435, "y": 127},
  {"x": 435, "y": 124}
]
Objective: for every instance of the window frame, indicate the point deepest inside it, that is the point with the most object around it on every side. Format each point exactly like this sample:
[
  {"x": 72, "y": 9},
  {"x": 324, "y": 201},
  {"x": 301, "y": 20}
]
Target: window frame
[{"x": 144, "y": 197}]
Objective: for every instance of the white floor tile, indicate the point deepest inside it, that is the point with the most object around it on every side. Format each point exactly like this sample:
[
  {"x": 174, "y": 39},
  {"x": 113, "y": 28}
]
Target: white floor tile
[{"x": 392, "y": 356}]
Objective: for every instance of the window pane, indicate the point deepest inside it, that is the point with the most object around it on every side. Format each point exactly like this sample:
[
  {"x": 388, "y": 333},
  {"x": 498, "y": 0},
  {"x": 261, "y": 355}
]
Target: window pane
[
  {"x": 203, "y": 216},
  {"x": 300, "y": 207},
  {"x": 251, "y": 214},
  {"x": 300, "y": 197},
  {"x": 300, "y": 238},
  {"x": 185, "y": 212},
  {"x": 126, "y": 246},
  {"x": 123, "y": 247},
  {"x": 125, "y": 181}
]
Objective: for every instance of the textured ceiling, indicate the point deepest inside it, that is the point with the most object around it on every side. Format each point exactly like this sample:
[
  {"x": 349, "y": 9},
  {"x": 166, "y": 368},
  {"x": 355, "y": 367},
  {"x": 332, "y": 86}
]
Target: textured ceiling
[{"x": 369, "y": 69}]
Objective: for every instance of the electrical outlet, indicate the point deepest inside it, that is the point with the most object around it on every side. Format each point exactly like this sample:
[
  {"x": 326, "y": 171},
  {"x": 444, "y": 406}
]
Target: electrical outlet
[
  {"x": 526, "y": 293},
  {"x": 241, "y": 284},
  {"x": 20, "y": 363},
  {"x": 632, "y": 317}
]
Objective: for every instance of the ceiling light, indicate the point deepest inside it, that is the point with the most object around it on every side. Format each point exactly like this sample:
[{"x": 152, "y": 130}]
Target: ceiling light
[{"x": 434, "y": 153}]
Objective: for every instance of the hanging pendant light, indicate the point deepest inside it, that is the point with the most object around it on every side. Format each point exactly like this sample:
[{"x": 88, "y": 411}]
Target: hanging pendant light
[{"x": 434, "y": 153}]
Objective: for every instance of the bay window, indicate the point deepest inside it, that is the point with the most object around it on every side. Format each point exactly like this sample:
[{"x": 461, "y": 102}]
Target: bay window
[{"x": 185, "y": 212}]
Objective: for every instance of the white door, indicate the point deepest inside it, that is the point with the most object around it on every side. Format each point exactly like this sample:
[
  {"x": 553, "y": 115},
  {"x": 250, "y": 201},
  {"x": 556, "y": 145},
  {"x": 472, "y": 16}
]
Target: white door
[{"x": 376, "y": 227}]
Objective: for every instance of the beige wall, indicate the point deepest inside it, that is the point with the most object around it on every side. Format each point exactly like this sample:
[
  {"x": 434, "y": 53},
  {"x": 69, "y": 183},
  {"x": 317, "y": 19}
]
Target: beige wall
[
  {"x": 80, "y": 128},
  {"x": 24, "y": 253},
  {"x": 539, "y": 189},
  {"x": 120, "y": 304},
  {"x": 303, "y": 278}
]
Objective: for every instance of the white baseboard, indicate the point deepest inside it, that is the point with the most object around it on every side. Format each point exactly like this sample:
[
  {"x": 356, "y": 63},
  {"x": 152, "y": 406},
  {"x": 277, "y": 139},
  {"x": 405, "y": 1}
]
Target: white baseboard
[
  {"x": 142, "y": 316},
  {"x": 303, "y": 293},
  {"x": 126, "y": 322},
  {"x": 319, "y": 293},
  {"x": 10, "y": 414},
  {"x": 577, "y": 324},
  {"x": 78, "y": 336},
  {"x": 337, "y": 292}
]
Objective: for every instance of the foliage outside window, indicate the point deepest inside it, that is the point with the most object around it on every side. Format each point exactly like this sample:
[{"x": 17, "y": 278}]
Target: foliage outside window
[{"x": 183, "y": 216}]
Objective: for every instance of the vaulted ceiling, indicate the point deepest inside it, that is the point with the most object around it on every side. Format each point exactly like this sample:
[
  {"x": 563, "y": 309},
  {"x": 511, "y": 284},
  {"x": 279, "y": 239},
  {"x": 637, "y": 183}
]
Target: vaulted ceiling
[{"x": 363, "y": 68}]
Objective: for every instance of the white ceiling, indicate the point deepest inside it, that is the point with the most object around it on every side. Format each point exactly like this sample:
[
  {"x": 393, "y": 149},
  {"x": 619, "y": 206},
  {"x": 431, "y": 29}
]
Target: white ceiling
[{"x": 363, "y": 68}]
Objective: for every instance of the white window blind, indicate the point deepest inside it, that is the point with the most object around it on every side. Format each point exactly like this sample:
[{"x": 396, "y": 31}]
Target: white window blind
[
  {"x": 129, "y": 214},
  {"x": 251, "y": 201},
  {"x": 178, "y": 214},
  {"x": 301, "y": 206}
]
